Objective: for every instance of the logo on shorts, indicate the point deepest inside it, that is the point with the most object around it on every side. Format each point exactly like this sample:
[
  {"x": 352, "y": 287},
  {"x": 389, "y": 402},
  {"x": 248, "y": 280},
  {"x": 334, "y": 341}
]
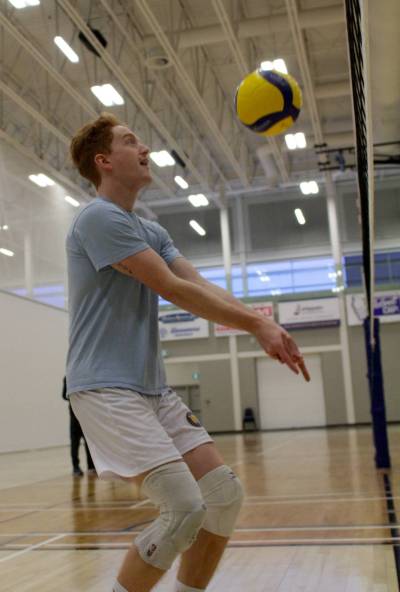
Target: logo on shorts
[
  {"x": 151, "y": 550},
  {"x": 193, "y": 420}
]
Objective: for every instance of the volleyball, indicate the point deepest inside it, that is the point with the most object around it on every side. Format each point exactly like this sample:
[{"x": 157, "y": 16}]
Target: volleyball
[{"x": 268, "y": 102}]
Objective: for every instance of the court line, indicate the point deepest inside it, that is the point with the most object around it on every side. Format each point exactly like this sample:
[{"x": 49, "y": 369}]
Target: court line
[
  {"x": 314, "y": 528},
  {"x": 31, "y": 548},
  {"x": 251, "y": 499},
  {"x": 237, "y": 530},
  {"x": 148, "y": 505},
  {"x": 73, "y": 509},
  {"x": 317, "y": 501},
  {"x": 313, "y": 495},
  {"x": 394, "y": 541}
]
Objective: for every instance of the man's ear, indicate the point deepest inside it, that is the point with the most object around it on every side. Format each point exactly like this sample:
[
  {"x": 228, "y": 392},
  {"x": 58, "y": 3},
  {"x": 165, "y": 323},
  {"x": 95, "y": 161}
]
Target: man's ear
[{"x": 103, "y": 162}]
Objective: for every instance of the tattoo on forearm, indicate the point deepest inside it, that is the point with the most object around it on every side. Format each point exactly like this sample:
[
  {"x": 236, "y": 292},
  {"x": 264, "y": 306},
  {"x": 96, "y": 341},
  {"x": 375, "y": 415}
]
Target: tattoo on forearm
[{"x": 125, "y": 269}]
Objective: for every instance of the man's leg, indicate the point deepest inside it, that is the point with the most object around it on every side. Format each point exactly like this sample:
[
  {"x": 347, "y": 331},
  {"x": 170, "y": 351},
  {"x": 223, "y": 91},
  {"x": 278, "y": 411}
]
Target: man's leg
[
  {"x": 173, "y": 489},
  {"x": 199, "y": 563},
  {"x": 135, "y": 575}
]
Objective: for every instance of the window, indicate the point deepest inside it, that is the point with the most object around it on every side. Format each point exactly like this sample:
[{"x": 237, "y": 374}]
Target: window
[
  {"x": 216, "y": 275},
  {"x": 387, "y": 269},
  {"x": 52, "y": 294},
  {"x": 291, "y": 276}
]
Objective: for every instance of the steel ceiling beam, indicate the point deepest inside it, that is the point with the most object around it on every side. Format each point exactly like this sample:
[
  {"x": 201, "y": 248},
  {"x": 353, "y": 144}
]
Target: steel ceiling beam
[
  {"x": 69, "y": 89},
  {"x": 130, "y": 88},
  {"x": 43, "y": 164},
  {"x": 257, "y": 27},
  {"x": 167, "y": 96},
  {"x": 35, "y": 53},
  {"x": 302, "y": 58},
  {"x": 244, "y": 69},
  {"x": 190, "y": 88}
]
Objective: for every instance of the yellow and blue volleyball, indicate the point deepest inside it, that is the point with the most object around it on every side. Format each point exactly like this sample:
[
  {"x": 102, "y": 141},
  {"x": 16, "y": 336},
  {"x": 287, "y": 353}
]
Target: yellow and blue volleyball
[{"x": 268, "y": 102}]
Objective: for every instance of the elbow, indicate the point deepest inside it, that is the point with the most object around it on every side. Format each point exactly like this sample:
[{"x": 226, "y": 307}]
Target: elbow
[{"x": 171, "y": 291}]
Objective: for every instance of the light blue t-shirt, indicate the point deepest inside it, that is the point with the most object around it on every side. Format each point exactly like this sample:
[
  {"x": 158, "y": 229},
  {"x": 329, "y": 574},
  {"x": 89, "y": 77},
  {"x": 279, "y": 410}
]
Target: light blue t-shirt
[{"x": 113, "y": 318}]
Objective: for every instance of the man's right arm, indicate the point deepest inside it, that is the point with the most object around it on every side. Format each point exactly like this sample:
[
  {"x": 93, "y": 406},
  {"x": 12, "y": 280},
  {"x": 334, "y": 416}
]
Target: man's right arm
[{"x": 150, "y": 269}]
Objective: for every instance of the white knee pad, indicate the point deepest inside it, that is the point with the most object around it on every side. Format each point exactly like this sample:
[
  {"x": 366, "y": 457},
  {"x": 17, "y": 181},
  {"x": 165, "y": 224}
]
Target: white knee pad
[
  {"x": 173, "y": 489},
  {"x": 223, "y": 495}
]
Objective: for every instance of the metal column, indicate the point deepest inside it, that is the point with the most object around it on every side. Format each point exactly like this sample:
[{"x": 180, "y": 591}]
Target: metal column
[
  {"x": 234, "y": 361},
  {"x": 337, "y": 256},
  {"x": 28, "y": 263}
]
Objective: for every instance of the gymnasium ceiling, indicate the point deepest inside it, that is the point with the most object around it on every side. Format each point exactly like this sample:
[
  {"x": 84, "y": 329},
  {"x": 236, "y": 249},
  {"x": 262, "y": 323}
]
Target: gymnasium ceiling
[{"x": 205, "y": 47}]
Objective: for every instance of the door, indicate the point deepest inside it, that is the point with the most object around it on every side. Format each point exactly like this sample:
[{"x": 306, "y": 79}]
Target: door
[{"x": 286, "y": 400}]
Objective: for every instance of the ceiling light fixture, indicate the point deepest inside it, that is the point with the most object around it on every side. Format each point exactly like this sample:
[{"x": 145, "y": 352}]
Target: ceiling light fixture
[
  {"x": 162, "y": 158},
  {"x": 7, "y": 252},
  {"x": 107, "y": 95},
  {"x": 300, "y": 216},
  {"x": 181, "y": 182},
  {"x": 198, "y": 200},
  {"x": 294, "y": 141},
  {"x": 196, "y": 226},
  {"x": 72, "y": 201},
  {"x": 41, "y": 180},
  {"x": 24, "y": 3},
  {"x": 308, "y": 187},
  {"x": 66, "y": 49},
  {"x": 278, "y": 65}
]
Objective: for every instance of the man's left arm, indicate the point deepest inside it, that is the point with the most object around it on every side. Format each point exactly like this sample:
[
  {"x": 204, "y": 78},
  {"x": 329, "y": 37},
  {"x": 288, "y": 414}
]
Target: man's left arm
[{"x": 182, "y": 268}]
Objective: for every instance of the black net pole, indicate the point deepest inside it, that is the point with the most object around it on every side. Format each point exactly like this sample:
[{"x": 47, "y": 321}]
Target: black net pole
[
  {"x": 372, "y": 340},
  {"x": 354, "y": 33}
]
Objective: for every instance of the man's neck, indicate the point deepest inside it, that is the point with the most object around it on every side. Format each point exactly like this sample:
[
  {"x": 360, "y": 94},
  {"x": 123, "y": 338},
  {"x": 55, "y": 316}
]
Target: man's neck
[{"x": 118, "y": 194}]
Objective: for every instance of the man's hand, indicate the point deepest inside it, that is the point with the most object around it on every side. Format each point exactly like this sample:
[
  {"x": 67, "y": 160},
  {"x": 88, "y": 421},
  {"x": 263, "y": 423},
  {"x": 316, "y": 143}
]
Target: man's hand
[{"x": 278, "y": 344}]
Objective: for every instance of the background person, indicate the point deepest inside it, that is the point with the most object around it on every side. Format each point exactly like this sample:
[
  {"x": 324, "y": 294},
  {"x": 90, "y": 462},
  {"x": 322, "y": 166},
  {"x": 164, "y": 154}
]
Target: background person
[{"x": 75, "y": 435}]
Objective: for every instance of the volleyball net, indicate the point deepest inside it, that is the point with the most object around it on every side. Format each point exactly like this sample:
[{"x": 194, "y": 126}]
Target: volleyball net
[{"x": 358, "y": 44}]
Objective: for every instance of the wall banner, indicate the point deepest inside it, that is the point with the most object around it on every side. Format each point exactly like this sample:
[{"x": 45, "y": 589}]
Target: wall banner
[
  {"x": 387, "y": 307},
  {"x": 179, "y": 324},
  {"x": 266, "y": 309},
  {"x": 304, "y": 314}
]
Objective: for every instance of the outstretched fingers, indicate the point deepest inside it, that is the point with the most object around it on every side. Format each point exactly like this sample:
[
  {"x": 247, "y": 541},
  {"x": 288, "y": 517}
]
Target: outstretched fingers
[
  {"x": 295, "y": 355},
  {"x": 283, "y": 356}
]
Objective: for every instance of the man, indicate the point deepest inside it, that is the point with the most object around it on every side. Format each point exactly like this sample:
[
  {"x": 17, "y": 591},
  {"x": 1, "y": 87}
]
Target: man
[{"x": 136, "y": 427}]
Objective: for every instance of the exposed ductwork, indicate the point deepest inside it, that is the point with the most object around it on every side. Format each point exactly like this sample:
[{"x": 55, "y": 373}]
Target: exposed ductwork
[{"x": 256, "y": 27}]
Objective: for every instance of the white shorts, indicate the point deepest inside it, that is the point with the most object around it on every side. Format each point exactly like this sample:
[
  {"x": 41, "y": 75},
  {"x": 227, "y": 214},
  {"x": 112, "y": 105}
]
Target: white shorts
[{"x": 129, "y": 433}]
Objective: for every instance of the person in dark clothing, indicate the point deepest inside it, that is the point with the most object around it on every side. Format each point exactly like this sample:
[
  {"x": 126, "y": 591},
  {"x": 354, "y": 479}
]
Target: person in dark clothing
[{"x": 75, "y": 432}]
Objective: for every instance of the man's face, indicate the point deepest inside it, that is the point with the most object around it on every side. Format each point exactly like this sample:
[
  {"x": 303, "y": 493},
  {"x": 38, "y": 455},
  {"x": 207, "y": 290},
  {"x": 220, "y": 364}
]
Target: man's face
[{"x": 129, "y": 158}]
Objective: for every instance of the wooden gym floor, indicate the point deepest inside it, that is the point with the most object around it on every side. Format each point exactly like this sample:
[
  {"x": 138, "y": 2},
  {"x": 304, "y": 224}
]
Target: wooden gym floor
[{"x": 317, "y": 517}]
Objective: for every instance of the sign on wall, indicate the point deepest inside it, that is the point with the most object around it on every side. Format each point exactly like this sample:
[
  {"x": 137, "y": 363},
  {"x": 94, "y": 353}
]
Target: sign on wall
[
  {"x": 387, "y": 307},
  {"x": 179, "y": 324},
  {"x": 303, "y": 314},
  {"x": 266, "y": 309}
]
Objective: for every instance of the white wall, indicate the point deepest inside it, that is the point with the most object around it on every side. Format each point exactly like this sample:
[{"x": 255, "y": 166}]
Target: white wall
[{"x": 33, "y": 346}]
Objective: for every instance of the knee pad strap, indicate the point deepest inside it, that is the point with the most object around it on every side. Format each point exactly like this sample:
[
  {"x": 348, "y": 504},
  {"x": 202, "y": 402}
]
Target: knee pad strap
[
  {"x": 223, "y": 496},
  {"x": 174, "y": 490}
]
